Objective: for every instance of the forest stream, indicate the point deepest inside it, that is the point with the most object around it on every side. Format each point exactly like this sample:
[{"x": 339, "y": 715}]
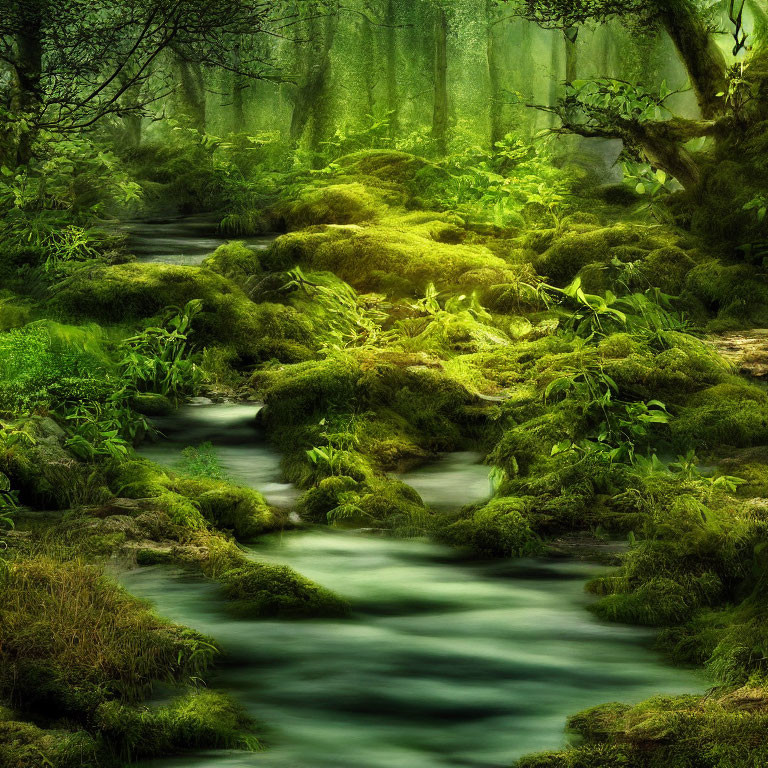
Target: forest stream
[
  {"x": 384, "y": 384},
  {"x": 443, "y": 662},
  {"x": 181, "y": 240}
]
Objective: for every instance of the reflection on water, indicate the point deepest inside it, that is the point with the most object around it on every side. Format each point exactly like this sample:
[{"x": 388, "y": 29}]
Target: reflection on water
[
  {"x": 452, "y": 481},
  {"x": 183, "y": 240},
  {"x": 243, "y": 453},
  {"x": 443, "y": 663}
]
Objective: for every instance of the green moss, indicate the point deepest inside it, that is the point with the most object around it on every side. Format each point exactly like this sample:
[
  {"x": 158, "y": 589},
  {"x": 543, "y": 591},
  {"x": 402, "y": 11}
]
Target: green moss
[
  {"x": 263, "y": 590},
  {"x": 46, "y": 474},
  {"x": 366, "y": 257},
  {"x": 666, "y": 269},
  {"x": 501, "y": 528},
  {"x": 45, "y": 362},
  {"x": 350, "y": 203},
  {"x": 396, "y": 506},
  {"x": 201, "y": 719},
  {"x": 70, "y": 639},
  {"x": 24, "y": 745},
  {"x": 135, "y": 291},
  {"x": 389, "y": 166},
  {"x": 195, "y": 502},
  {"x": 573, "y": 250},
  {"x": 293, "y": 394},
  {"x": 235, "y": 261},
  {"x": 657, "y": 602},
  {"x": 733, "y": 413},
  {"x": 315, "y": 504},
  {"x": 152, "y": 404},
  {"x": 736, "y": 293},
  {"x": 717, "y": 731}
]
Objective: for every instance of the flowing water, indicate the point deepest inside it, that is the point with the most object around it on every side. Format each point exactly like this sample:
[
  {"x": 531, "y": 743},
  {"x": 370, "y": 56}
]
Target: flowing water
[
  {"x": 183, "y": 240},
  {"x": 240, "y": 448},
  {"x": 443, "y": 663},
  {"x": 453, "y": 480}
]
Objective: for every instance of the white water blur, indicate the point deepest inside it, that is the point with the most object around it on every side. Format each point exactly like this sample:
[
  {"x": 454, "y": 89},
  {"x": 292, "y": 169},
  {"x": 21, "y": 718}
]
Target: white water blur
[{"x": 443, "y": 663}]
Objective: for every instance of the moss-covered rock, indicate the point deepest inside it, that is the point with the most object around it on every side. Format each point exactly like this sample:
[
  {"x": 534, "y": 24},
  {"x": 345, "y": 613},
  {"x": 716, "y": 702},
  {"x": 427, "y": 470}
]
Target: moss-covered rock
[
  {"x": 263, "y": 590},
  {"x": 735, "y": 293},
  {"x": 135, "y": 291},
  {"x": 350, "y": 203},
  {"x": 24, "y": 745},
  {"x": 315, "y": 504},
  {"x": 234, "y": 260},
  {"x": 734, "y": 413},
  {"x": 572, "y": 251},
  {"x": 500, "y": 528},
  {"x": 369, "y": 258},
  {"x": 665, "y": 269},
  {"x": 196, "y": 502}
]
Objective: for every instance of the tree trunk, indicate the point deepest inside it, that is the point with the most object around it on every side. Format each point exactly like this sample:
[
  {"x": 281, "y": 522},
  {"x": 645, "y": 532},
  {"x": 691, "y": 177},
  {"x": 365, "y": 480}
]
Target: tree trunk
[
  {"x": 555, "y": 66},
  {"x": 495, "y": 101},
  {"x": 369, "y": 60},
  {"x": 26, "y": 79},
  {"x": 238, "y": 88},
  {"x": 760, "y": 21},
  {"x": 321, "y": 101},
  {"x": 190, "y": 95},
  {"x": 700, "y": 53},
  {"x": 571, "y": 54},
  {"x": 527, "y": 69},
  {"x": 393, "y": 107},
  {"x": 311, "y": 100},
  {"x": 440, "y": 104},
  {"x": 670, "y": 155}
]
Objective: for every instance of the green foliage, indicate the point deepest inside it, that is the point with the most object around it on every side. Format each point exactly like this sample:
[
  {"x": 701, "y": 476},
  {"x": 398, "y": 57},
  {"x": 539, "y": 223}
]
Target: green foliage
[
  {"x": 44, "y": 364},
  {"x": 158, "y": 359},
  {"x": 105, "y": 429},
  {"x": 343, "y": 319},
  {"x": 8, "y": 502},
  {"x": 202, "y": 461},
  {"x": 604, "y": 100},
  {"x": 515, "y": 182}
]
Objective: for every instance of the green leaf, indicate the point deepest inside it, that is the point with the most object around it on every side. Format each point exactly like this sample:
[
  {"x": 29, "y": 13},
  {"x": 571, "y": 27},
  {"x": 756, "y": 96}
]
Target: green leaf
[{"x": 640, "y": 188}]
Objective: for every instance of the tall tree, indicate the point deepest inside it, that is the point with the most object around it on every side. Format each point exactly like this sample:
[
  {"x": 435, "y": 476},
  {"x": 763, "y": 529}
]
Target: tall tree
[
  {"x": 390, "y": 46},
  {"x": 492, "y": 46},
  {"x": 310, "y": 96},
  {"x": 440, "y": 99}
]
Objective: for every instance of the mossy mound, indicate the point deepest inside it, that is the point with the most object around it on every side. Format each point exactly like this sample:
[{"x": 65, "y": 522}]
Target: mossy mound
[
  {"x": 665, "y": 269},
  {"x": 235, "y": 261},
  {"x": 500, "y": 528},
  {"x": 350, "y": 203},
  {"x": 734, "y": 413},
  {"x": 573, "y": 250},
  {"x": 668, "y": 732},
  {"x": 385, "y": 165},
  {"x": 24, "y": 745},
  {"x": 46, "y": 474},
  {"x": 259, "y": 590},
  {"x": 195, "y": 502},
  {"x": 129, "y": 292},
  {"x": 389, "y": 258},
  {"x": 104, "y": 645},
  {"x": 734, "y": 293}
]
